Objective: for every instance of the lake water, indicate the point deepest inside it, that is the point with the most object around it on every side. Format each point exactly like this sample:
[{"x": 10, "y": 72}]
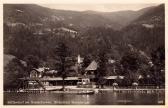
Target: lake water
[{"x": 103, "y": 98}]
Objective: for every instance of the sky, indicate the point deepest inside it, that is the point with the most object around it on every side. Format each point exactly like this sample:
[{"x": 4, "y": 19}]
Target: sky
[{"x": 98, "y": 7}]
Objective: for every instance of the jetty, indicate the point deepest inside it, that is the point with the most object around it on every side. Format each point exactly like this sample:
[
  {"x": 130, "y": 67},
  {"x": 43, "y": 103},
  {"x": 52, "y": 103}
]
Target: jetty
[{"x": 139, "y": 90}]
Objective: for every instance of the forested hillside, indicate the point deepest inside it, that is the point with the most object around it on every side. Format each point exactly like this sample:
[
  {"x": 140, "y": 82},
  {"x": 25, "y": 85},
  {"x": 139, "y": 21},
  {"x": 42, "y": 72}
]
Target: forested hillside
[{"x": 35, "y": 31}]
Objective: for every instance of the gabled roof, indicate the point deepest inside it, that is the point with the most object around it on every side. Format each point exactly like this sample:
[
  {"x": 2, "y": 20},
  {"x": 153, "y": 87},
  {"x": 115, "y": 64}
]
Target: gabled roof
[{"x": 92, "y": 66}]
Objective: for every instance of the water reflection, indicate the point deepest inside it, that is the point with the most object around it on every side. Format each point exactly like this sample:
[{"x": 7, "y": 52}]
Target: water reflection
[{"x": 102, "y": 98}]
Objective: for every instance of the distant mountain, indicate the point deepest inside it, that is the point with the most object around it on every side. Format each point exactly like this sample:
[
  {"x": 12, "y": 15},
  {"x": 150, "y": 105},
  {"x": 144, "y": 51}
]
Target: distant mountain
[
  {"x": 25, "y": 13},
  {"x": 147, "y": 32},
  {"x": 30, "y": 13},
  {"x": 153, "y": 16},
  {"x": 90, "y": 30},
  {"x": 124, "y": 18}
]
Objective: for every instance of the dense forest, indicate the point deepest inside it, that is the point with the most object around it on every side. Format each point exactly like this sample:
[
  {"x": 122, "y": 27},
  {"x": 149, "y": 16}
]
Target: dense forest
[{"x": 33, "y": 34}]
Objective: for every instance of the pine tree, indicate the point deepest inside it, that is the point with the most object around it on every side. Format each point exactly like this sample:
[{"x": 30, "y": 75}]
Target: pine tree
[
  {"x": 62, "y": 61},
  {"x": 86, "y": 62},
  {"x": 101, "y": 71}
]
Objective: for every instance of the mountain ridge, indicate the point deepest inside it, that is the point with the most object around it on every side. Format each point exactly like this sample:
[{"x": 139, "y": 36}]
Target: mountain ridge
[
  {"x": 88, "y": 30},
  {"x": 115, "y": 20}
]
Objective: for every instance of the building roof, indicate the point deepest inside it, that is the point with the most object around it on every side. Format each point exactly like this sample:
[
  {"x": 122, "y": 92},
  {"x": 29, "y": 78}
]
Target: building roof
[
  {"x": 114, "y": 77},
  {"x": 59, "y": 78},
  {"x": 51, "y": 79},
  {"x": 92, "y": 66},
  {"x": 40, "y": 69}
]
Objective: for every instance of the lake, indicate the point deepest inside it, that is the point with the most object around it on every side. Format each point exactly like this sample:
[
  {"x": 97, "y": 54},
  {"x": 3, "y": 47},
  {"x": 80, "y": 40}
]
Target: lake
[{"x": 103, "y": 98}]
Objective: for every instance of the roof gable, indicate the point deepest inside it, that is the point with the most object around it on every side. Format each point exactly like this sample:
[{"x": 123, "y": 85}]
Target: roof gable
[{"x": 92, "y": 66}]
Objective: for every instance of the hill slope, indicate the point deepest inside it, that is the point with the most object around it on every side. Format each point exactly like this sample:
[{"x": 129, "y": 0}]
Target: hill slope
[
  {"x": 34, "y": 13},
  {"x": 144, "y": 29},
  {"x": 147, "y": 32}
]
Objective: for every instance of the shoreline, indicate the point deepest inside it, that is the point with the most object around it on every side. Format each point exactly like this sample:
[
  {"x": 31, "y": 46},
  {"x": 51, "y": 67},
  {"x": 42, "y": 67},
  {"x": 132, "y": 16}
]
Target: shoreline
[{"x": 89, "y": 90}]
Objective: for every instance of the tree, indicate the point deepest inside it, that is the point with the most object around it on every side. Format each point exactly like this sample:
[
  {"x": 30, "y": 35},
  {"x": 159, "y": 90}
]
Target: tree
[
  {"x": 158, "y": 69},
  {"x": 86, "y": 62},
  {"x": 101, "y": 70},
  {"x": 135, "y": 63},
  {"x": 32, "y": 62},
  {"x": 61, "y": 54},
  {"x": 130, "y": 63},
  {"x": 21, "y": 42},
  {"x": 12, "y": 72}
]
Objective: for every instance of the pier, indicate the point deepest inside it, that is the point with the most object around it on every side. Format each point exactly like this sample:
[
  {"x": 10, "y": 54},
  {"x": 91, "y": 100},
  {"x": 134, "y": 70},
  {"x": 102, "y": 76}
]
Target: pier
[{"x": 140, "y": 90}]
